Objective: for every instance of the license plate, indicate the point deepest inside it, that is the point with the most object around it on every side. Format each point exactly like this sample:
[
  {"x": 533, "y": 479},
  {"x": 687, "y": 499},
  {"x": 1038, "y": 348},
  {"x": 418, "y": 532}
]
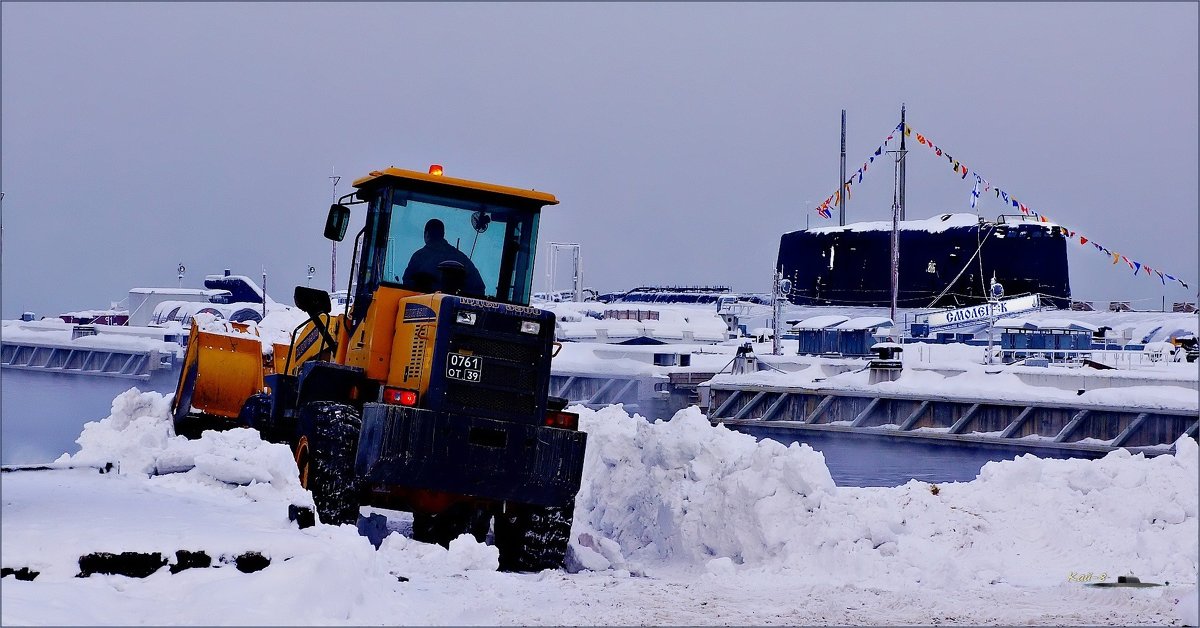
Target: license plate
[{"x": 467, "y": 368}]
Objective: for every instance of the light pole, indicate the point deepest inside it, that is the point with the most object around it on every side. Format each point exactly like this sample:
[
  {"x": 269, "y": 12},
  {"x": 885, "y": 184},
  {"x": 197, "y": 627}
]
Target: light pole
[
  {"x": 264, "y": 291},
  {"x": 781, "y": 288},
  {"x": 994, "y": 295},
  {"x": 333, "y": 254}
]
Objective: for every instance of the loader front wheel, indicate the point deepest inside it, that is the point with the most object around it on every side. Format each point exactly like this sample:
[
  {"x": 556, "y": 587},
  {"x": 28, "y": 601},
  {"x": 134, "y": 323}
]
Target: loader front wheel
[
  {"x": 192, "y": 426},
  {"x": 256, "y": 414},
  {"x": 324, "y": 452},
  {"x": 443, "y": 527},
  {"x": 533, "y": 538}
]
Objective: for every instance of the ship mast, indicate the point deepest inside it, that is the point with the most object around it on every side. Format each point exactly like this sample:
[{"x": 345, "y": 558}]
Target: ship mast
[
  {"x": 896, "y": 236},
  {"x": 842, "y": 180},
  {"x": 903, "y": 151},
  {"x": 897, "y": 215}
]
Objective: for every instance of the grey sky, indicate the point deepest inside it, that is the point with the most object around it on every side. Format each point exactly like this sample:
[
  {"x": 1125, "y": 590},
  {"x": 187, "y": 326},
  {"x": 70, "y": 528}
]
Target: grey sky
[{"x": 681, "y": 139}]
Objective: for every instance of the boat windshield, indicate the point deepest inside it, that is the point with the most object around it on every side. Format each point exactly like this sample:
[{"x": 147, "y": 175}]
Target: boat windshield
[{"x": 435, "y": 243}]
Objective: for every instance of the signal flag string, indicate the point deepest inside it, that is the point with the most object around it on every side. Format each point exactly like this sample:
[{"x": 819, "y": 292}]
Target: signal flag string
[
  {"x": 961, "y": 169},
  {"x": 836, "y": 198}
]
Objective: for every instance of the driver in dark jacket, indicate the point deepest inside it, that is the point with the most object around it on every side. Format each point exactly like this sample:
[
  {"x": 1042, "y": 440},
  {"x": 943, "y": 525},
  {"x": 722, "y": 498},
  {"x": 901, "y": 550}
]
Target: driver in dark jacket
[{"x": 423, "y": 273}]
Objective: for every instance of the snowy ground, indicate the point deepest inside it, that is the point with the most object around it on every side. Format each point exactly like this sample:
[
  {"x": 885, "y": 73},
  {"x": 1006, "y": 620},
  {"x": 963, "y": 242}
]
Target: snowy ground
[{"x": 676, "y": 523}]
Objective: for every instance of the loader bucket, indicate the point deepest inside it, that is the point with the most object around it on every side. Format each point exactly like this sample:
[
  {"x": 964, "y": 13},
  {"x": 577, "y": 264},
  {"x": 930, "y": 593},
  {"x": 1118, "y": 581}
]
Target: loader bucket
[{"x": 220, "y": 372}]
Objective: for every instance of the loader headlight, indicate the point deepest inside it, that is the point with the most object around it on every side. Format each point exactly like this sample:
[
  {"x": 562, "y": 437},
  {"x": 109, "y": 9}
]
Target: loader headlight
[
  {"x": 466, "y": 318},
  {"x": 530, "y": 327}
]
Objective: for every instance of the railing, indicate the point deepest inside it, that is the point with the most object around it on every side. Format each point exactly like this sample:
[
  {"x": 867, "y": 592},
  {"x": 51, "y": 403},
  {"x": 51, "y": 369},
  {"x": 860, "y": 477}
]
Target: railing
[{"x": 1116, "y": 358}]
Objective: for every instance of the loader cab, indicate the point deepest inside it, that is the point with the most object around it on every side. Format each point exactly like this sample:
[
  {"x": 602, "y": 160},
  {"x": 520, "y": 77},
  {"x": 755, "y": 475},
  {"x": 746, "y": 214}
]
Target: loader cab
[{"x": 429, "y": 233}]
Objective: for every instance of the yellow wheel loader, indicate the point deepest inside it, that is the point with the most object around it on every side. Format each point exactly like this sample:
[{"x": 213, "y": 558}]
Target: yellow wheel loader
[{"x": 429, "y": 391}]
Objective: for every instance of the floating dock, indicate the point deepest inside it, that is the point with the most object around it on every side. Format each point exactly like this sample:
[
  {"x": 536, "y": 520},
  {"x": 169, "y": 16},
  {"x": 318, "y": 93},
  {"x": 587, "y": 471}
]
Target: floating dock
[
  {"x": 138, "y": 364},
  {"x": 1030, "y": 426},
  {"x": 56, "y": 347}
]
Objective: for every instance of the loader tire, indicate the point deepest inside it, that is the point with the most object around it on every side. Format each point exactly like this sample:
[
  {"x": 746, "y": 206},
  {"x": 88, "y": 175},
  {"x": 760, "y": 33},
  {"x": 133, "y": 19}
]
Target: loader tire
[
  {"x": 443, "y": 527},
  {"x": 533, "y": 538},
  {"x": 325, "y": 451},
  {"x": 256, "y": 414},
  {"x": 192, "y": 426}
]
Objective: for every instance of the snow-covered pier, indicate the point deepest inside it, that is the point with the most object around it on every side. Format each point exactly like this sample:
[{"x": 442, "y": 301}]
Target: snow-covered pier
[
  {"x": 131, "y": 362},
  {"x": 1029, "y": 425}
]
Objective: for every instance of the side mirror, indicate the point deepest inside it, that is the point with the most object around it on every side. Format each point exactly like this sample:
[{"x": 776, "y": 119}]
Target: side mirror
[
  {"x": 312, "y": 301},
  {"x": 336, "y": 222}
]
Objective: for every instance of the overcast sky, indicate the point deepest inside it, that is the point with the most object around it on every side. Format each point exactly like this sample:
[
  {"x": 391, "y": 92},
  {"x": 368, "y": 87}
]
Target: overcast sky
[{"x": 681, "y": 139}]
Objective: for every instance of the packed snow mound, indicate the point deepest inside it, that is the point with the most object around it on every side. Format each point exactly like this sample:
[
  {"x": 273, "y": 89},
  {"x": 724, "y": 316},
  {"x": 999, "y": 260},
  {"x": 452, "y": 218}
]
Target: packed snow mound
[
  {"x": 401, "y": 554},
  {"x": 275, "y": 328},
  {"x": 688, "y": 494},
  {"x": 686, "y": 491},
  {"x": 138, "y": 437}
]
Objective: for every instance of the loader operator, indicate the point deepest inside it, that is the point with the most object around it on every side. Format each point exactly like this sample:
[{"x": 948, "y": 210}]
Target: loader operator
[{"x": 427, "y": 273}]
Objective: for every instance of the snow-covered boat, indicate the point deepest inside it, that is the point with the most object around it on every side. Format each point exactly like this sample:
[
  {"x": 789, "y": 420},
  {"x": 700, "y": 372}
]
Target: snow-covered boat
[{"x": 136, "y": 339}]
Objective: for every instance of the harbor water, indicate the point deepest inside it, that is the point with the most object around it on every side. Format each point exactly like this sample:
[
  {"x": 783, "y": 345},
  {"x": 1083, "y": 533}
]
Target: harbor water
[{"x": 43, "y": 413}]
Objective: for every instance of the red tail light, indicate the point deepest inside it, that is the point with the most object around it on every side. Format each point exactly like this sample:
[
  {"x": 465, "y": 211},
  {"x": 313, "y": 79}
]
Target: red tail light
[
  {"x": 400, "y": 396},
  {"x": 564, "y": 420}
]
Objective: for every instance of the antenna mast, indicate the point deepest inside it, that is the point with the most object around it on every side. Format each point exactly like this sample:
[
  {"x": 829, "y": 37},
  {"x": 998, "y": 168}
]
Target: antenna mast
[
  {"x": 903, "y": 152},
  {"x": 842, "y": 180},
  {"x": 333, "y": 256}
]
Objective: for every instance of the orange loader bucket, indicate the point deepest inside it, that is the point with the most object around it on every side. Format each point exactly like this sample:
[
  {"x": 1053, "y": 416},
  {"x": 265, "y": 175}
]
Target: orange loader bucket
[{"x": 220, "y": 372}]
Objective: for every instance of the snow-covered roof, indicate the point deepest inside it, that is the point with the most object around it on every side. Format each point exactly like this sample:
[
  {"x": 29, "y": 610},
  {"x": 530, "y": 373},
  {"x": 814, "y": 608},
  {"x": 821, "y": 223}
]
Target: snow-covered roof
[
  {"x": 935, "y": 224},
  {"x": 197, "y": 292},
  {"x": 822, "y": 321},
  {"x": 866, "y": 322},
  {"x": 1046, "y": 324}
]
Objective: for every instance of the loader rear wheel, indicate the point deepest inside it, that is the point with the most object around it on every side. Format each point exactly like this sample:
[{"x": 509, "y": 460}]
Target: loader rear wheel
[
  {"x": 443, "y": 527},
  {"x": 325, "y": 451},
  {"x": 533, "y": 538}
]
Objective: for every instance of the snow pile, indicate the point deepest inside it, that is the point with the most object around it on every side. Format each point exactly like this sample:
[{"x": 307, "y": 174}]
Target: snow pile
[
  {"x": 682, "y": 493},
  {"x": 138, "y": 437},
  {"x": 401, "y": 554},
  {"x": 275, "y": 329},
  {"x": 277, "y": 326},
  {"x": 685, "y": 491}
]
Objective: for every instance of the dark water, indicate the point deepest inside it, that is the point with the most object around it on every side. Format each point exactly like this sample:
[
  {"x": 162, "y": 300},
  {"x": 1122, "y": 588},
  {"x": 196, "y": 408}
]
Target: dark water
[
  {"x": 869, "y": 460},
  {"x": 41, "y": 414}
]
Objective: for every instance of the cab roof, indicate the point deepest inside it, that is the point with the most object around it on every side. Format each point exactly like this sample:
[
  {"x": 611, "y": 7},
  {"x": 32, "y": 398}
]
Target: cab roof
[{"x": 422, "y": 178}]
